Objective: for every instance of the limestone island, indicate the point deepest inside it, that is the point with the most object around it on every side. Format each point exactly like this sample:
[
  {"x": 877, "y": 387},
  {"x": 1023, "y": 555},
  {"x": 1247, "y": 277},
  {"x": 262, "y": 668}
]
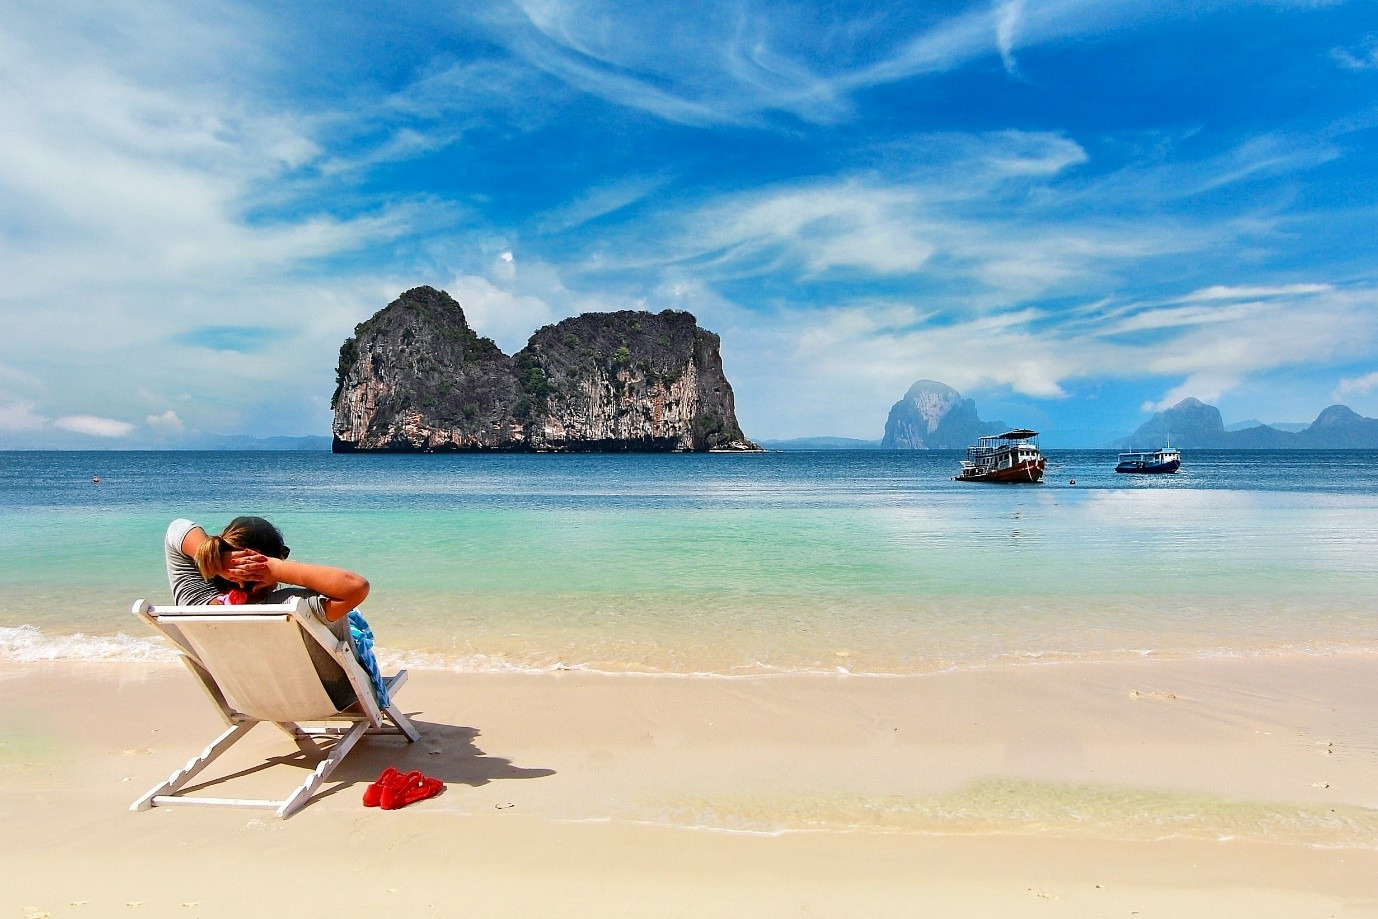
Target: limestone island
[{"x": 417, "y": 378}]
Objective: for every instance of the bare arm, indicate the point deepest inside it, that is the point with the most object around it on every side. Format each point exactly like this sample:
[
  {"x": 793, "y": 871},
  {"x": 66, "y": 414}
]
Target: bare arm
[{"x": 343, "y": 590}]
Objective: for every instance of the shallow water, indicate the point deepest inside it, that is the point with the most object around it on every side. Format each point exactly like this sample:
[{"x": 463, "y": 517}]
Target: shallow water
[{"x": 869, "y": 561}]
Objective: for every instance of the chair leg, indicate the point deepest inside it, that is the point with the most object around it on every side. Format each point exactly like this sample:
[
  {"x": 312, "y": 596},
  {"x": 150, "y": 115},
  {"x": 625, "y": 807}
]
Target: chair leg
[
  {"x": 403, "y": 723},
  {"x": 394, "y": 714},
  {"x": 194, "y": 765},
  {"x": 297, "y": 799}
]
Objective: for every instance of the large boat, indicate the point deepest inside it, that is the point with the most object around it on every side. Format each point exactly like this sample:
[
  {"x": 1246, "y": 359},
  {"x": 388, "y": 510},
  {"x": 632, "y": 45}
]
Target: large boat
[
  {"x": 1009, "y": 457},
  {"x": 1164, "y": 460}
]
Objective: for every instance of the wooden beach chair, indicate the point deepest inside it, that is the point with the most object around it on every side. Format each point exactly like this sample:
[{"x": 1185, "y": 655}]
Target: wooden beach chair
[{"x": 273, "y": 664}]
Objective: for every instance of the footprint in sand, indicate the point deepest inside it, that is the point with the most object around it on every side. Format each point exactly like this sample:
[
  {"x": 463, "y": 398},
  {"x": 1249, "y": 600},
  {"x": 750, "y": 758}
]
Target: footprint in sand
[{"x": 1160, "y": 696}]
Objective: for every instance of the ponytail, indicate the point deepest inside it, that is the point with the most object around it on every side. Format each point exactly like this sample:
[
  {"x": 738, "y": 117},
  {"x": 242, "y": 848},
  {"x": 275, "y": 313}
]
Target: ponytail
[{"x": 209, "y": 559}]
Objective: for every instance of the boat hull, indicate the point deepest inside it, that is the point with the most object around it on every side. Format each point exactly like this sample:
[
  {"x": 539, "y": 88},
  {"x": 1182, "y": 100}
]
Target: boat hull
[
  {"x": 1024, "y": 472},
  {"x": 1150, "y": 468}
]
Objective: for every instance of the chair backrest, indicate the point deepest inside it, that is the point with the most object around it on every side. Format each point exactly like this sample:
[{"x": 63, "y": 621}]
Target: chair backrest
[{"x": 259, "y": 658}]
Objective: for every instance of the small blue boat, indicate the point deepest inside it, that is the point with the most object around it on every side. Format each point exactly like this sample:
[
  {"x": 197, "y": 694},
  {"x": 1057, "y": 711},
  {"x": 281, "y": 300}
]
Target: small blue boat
[{"x": 1164, "y": 460}]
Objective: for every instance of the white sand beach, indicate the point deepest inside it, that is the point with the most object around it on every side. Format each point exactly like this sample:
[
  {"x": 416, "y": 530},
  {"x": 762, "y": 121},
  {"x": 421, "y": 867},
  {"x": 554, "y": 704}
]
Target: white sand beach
[{"x": 1223, "y": 787}]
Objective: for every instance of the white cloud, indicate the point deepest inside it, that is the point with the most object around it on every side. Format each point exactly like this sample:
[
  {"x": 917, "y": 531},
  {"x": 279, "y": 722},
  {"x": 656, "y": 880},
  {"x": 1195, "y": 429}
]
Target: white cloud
[
  {"x": 733, "y": 61},
  {"x": 1227, "y": 292},
  {"x": 1364, "y": 57},
  {"x": 166, "y": 423},
  {"x": 1005, "y": 28},
  {"x": 838, "y": 370},
  {"x": 1207, "y": 387},
  {"x": 1153, "y": 319},
  {"x": 94, "y": 426},
  {"x": 599, "y": 202},
  {"x": 1361, "y": 385},
  {"x": 20, "y": 415},
  {"x": 505, "y": 267},
  {"x": 977, "y": 211},
  {"x": 503, "y": 315},
  {"x": 140, "y": 201},
  {"x": 845, "y": 225}
]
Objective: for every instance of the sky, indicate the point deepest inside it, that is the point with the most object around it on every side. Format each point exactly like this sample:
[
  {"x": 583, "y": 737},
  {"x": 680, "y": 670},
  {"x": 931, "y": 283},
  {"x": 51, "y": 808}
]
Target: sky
[{"x": 1075, "y": 212}]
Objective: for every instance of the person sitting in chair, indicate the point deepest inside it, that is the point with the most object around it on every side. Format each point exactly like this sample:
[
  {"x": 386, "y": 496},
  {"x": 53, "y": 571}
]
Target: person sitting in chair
[
  {"x": 250, "y": 556},
  {"x": 247, "y": 563}
]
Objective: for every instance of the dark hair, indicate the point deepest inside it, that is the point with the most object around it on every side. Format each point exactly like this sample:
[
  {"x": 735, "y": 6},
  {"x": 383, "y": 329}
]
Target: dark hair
[{"x": 242, "y": 533}]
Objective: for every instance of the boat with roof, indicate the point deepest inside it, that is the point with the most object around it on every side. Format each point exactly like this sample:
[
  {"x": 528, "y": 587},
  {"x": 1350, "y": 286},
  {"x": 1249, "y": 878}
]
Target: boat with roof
[
  {"x": 1009, "y": 457},
  {"x": 1151, "y": 461}
]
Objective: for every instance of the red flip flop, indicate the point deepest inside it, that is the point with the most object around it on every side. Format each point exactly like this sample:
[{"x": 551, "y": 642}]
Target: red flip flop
[
  {"x": 409, "y": 789},
  {"x": 373, "y": 794}
]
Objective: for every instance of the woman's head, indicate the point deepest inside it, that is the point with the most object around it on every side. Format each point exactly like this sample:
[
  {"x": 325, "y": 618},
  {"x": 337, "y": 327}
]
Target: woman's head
[{"x": 252, "y": 533}]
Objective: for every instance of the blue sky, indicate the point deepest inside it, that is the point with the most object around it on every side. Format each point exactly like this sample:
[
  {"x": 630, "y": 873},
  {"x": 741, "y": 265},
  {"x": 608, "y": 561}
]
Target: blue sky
[{"x": 1074, "y": 211}]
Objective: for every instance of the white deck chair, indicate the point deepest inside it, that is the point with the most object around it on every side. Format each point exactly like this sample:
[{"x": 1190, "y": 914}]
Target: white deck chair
[{"x": 265, "y": 663}]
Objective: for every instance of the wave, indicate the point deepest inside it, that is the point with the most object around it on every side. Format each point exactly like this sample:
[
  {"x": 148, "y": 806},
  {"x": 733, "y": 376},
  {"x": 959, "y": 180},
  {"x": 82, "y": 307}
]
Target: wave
[
  {"x": 27, "y": 644},
  {"x": 30, "y": 644}
]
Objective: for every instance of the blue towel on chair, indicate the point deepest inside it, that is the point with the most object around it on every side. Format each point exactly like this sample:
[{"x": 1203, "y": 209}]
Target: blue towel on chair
[{"x": 363, "y": 649}]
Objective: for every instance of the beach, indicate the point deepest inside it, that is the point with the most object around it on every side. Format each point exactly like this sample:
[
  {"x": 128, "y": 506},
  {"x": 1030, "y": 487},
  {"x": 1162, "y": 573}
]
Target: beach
[
  {"x": 1232, "y": 786},
  {"x": 828, "y": 684}
]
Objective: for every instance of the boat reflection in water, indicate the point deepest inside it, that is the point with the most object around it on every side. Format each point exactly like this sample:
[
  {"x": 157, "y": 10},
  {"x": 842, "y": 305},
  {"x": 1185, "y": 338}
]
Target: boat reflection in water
[{"x": 1009, "y": 457}]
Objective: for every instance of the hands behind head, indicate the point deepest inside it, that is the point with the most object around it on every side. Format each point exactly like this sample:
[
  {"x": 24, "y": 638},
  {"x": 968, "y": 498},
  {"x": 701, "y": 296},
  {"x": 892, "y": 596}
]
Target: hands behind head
[{"x": 245, "y": 566}]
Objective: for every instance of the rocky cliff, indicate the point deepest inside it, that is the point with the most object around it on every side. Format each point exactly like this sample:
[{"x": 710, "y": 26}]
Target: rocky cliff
[
  {"x": 934, "y": 416},
  {"x": 1194, "y": 424},
  {"x": 416, "y": 377}
]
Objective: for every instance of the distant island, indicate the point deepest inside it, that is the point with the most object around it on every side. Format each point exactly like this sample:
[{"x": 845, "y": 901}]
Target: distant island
[
  {"x": 934, "y": 416},
  {"x": 417, "y": 378},
  {"x": 309, "y": 442},
  {"x": 1194, "y": 424},
  {"x": 822, "y": 443}
]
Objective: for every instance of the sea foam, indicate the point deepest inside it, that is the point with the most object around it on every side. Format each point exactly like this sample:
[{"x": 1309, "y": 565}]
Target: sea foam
[{"x": 28, "y": 644}]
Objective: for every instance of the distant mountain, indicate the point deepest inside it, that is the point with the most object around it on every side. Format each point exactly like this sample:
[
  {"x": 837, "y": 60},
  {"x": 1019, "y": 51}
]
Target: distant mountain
[
  {"x": 1340, "y": 427},
  {"x": 1275, "y": 425},
  {"x": 64, "y": 440},
  {"x": 1193, "y": 424},
  {"x": 821, "y": 443},
  {"x": 934, "y": 416},
  {"x": 244, "y": 442}
]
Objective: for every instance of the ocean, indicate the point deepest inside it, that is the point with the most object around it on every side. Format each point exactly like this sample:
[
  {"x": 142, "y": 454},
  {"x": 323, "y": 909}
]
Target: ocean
[{"x": 869, "y": 562}]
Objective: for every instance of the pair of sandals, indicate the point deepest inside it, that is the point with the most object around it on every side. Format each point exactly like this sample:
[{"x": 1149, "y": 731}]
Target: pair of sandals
[{"x": 398, "y": 789}]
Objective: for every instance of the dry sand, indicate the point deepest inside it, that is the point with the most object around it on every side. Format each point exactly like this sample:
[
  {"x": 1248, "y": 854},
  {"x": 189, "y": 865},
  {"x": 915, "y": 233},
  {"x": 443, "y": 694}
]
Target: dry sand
[{"x": 1222, "y": 787}]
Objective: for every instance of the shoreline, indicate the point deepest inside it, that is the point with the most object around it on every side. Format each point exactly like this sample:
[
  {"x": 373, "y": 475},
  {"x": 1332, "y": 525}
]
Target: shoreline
[
  {"x": 29, "y": 644},
  {"x": 1242, "y": 786}
]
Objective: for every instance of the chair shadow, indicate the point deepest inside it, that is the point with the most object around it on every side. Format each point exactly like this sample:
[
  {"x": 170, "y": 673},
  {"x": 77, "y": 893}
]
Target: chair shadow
[{"x": 445, "y": 751}]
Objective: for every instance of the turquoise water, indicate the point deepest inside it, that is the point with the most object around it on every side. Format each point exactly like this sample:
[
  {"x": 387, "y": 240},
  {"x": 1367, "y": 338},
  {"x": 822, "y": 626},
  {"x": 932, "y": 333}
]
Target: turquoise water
[{"x": 869, "y": 561}]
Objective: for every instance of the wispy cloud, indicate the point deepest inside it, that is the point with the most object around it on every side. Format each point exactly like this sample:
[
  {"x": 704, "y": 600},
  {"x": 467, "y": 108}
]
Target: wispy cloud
[
  {"x": 1221, "y": 292},
  {"x": 599, "y": 201},
  {"x": 142, "y": 198},
  {"x": 1363, "y": 56},
  {"x": 867, "y": 352},
  {"x": 732, "y": 62},
  {"x": 94, "y": 426},
  {"x": 1005, "y": 33},
  {"x": 852, "y": 205}
]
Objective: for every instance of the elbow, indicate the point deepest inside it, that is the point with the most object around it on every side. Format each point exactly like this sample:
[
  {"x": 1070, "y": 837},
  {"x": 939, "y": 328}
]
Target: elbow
[{"x": 356, "y": 591}]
